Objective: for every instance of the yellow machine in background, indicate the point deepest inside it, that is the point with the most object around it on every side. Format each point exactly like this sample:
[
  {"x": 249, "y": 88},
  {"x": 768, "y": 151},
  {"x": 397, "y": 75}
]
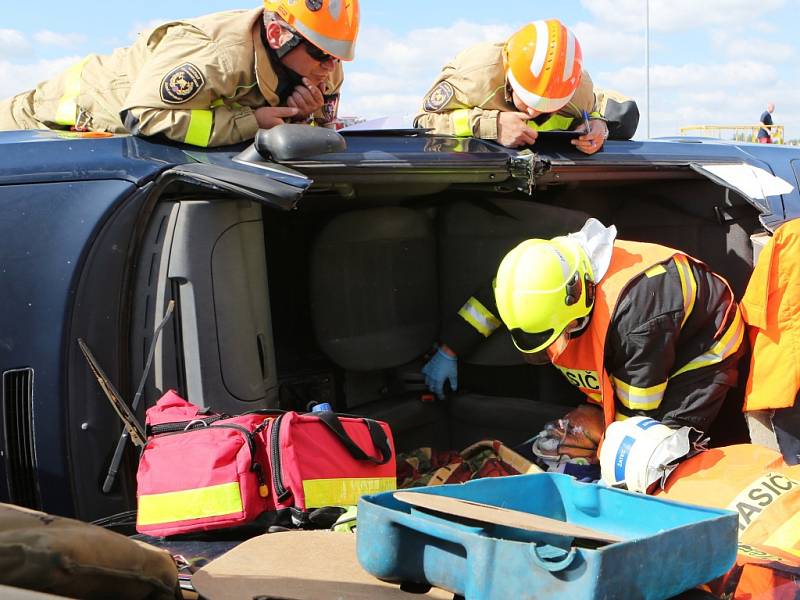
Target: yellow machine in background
[{"x": 741, "y": 133}]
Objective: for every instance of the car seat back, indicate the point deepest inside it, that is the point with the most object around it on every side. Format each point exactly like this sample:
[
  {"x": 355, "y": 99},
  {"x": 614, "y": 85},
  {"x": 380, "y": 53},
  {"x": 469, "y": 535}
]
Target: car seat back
[
  {"x": 373, "y": 286},
  {"x": 474, "y": 237}
]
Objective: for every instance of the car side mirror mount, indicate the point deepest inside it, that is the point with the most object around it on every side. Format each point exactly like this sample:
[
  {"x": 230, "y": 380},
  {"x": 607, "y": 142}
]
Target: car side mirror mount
[{"x": 293, "y": 141}]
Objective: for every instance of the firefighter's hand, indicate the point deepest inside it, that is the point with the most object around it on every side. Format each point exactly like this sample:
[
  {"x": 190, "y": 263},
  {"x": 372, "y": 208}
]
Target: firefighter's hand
[
  {"x": 591, "y": 142},
  {"x": 306, "y": 98},
  {"x": 268, "y": 117},
  {"x": 578, "y": 433},
  {"x": 513, "y": 130},
  {"x": 441, "y": 368}
]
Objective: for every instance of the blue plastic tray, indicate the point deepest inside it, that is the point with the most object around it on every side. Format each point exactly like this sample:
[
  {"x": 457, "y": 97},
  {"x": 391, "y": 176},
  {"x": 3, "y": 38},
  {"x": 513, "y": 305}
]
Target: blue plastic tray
[{"x": 667, "y": 547}]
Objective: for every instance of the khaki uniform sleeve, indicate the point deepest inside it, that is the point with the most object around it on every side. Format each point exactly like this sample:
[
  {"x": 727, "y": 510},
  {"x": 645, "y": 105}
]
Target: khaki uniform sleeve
[
  {"x": 482, "y": 123},
  {"x": 179, "y": 93},
  {"x": 452, "y": 107}
]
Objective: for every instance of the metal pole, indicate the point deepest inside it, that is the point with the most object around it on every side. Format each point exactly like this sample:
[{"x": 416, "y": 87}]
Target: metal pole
[{"x": 647, "y": 61}]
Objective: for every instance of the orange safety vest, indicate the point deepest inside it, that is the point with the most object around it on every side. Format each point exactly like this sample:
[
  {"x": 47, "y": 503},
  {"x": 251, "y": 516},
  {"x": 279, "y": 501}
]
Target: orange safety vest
[
  {"x": 582, "y": 361},
  {"x": 755, "y": 482},
  {"x": 770, "y": 307}
]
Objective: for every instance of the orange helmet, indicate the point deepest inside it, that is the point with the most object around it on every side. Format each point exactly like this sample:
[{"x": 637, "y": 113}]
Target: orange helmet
[
  {"x": 543, "y": 63},
  {"x": 331, "y": 25}
]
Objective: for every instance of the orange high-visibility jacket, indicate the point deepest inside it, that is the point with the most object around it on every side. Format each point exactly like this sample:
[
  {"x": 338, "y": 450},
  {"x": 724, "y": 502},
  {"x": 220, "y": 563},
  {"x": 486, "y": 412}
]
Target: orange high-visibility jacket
[{"x": 770, "y": 307}]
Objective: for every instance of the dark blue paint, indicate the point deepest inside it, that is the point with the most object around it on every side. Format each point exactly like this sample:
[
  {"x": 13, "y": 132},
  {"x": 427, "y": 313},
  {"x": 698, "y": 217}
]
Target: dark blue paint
[{"x": 45, "y": 229}]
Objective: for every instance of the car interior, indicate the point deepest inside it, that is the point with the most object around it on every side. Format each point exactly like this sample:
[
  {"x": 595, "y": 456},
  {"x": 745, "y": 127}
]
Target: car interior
[{"x": 342, "y": 299}]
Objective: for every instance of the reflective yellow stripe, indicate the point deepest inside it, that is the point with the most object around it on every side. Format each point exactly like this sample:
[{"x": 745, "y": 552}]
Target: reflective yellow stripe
[
  {"x": 595, "y": 397},
  {"x": 595, "y": 115},
  {"x": 688, "y": 285},
  {"x": 555, "y": 123},
  {"x": 341, "y": 492},
  {"x": 461, "y": 124},
  {"x": 477, "y": 315},
  {"x": 217, "y": 103},
  {"x": 200, "y": 503},
  {"x": 67, "y": 109},
  {"x": 636, "y": 398},
  {"x": 725, "y": 347},
  {"x": 655, "y": 271},
  {"x": 787, "y": 536},
  {"x": 199, "y": 130}
]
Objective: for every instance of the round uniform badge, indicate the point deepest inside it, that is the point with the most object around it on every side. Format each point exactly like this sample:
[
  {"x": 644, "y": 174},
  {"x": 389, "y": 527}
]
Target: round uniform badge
[
  {"x": 438, "y": 97},
  {"x": 182, "y": 84}
]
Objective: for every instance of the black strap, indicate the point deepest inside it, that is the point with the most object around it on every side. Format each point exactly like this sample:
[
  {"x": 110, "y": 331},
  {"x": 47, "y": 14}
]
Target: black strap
[{"x": 376, "y": 432}]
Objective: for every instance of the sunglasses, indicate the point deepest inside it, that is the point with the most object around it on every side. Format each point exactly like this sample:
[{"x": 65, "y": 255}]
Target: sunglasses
[{"x": 318, "y": 54}]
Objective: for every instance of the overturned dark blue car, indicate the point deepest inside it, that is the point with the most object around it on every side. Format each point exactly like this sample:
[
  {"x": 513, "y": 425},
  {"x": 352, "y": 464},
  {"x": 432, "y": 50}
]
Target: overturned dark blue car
[{"x": 313, "y": 266}]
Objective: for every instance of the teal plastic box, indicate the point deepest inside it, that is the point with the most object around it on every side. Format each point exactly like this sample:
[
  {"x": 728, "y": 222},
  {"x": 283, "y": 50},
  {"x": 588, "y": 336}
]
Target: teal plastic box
[{"x": 667, "y": 547}]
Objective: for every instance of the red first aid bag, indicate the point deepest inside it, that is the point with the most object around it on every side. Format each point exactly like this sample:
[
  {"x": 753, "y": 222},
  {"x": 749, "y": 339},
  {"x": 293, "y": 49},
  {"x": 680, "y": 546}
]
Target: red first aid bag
[
  {"x": 324, "y": 459},
  {"x": 201, "y": 471}
]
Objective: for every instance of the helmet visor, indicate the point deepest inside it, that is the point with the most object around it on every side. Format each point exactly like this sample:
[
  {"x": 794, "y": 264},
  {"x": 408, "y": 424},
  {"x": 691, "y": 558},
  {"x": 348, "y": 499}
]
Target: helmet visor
[{"x": 531, "y": 342}]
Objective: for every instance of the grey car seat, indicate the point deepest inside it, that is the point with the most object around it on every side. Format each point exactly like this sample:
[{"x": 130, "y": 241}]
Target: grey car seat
[{"x": 374, "y": 308}]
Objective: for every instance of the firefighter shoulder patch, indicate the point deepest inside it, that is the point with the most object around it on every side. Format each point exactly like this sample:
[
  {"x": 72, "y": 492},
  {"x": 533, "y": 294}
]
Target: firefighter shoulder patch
[
  {"x": 182, "y": 84},
  {"x": 438, "y": 97}
]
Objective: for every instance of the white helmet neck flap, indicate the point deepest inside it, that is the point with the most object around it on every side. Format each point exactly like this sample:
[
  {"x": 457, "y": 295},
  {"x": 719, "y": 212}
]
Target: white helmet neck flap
[{"x": 640, "y": 451}]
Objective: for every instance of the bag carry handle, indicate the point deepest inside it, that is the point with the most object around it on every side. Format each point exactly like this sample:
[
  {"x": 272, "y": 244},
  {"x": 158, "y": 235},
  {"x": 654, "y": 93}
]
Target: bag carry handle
[{"x": 376, "y": 432}]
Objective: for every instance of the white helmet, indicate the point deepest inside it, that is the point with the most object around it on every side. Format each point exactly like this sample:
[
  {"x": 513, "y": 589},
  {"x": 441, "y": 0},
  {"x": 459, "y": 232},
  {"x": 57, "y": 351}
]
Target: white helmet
[{"x": 639, "y": 451}]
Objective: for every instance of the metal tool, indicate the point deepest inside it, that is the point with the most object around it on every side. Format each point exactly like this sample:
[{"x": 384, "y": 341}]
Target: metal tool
[{"x": 116, "y": 460}]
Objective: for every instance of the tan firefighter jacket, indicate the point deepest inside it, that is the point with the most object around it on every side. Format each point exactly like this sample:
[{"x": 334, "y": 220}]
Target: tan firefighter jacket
[
  {"x": 196, "y": 81},
  {"x": 471, "y": 90}
]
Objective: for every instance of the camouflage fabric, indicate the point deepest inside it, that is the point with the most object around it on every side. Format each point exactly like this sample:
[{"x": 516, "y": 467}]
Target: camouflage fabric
[{"x": 487, "y": 458}]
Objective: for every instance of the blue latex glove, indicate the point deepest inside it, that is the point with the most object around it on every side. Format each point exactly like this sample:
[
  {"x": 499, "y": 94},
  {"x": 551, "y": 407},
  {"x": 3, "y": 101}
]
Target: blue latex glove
[{"x": 440, "y": 368}]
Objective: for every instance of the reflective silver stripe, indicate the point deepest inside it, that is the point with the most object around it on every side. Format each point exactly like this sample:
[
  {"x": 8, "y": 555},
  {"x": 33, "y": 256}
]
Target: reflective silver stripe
[
  {"x": 725, "y": 347},
  {"x": 341, "y": 49},
  {"x": 636, "y": 398},
  {"x": 477, "y": 315}
]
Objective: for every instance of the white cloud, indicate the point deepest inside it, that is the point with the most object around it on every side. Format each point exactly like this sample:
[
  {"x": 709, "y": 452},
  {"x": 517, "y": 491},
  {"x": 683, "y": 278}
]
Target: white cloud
[
  {"x": 424, "y": 50},
  {"x": 735, "y": 46},
  {"x": 142, "y": 26},
  {"x": 64, "y": 40},
  {"x": 392, "y": 72},
  {"x": 746, "y": 74},
  {"x": 13, "y": 43},
  {"x": 607, "y": 45},
  {"x": 16, "y": 78},
  {"x": 732, "y": 93},
  {"x": 681, "y": 15}
]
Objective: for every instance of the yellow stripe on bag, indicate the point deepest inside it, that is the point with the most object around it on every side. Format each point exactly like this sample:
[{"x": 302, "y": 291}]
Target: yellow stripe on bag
[
  {"x": 199, "y": 503},
  {"x": 338, "y": 492}
]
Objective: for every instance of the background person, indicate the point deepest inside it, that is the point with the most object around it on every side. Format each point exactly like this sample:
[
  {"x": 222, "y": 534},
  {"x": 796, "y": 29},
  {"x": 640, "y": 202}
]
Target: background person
[
  {"x": 765, "y": 135},
  {"x": 534, "y": 81},
  {"x": 210, "y": 81}
]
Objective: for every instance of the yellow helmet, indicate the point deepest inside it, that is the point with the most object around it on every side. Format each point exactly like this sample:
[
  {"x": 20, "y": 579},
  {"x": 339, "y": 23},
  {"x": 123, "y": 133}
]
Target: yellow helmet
[
  {"x": 541, "y": 287},
  {"x": 331, "y": 25}
]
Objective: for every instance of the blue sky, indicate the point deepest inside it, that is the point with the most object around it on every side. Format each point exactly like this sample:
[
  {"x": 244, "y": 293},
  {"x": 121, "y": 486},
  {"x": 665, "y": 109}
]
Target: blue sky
[{"x": 711, "y": 61}]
